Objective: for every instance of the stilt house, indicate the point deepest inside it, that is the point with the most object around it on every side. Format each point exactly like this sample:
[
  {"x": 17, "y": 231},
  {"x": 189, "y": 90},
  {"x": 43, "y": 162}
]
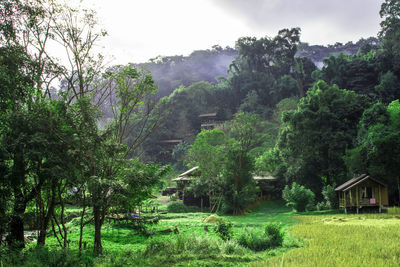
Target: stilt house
[{"x": 362, "y": 191}]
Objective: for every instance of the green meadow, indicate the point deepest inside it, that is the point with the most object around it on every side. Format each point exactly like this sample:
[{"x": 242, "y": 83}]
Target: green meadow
[{"x": 328, "y": 238}]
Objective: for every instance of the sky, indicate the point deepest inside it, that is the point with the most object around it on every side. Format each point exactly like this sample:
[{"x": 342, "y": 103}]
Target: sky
[{"x": 139, "y": 30}]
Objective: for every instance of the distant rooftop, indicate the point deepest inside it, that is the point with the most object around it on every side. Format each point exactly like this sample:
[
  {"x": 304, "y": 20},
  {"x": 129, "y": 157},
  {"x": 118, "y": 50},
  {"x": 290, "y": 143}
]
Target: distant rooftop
[
  {"x": 171, "y": 141},
  {"x": 208, "y": 115},
  {"x": 266, "y": 178}
]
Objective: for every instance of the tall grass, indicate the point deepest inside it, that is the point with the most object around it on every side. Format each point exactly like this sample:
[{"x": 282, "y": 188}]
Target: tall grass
[
  {"x": 367, "y": 240},
  {"x": 393, "y": 210}
]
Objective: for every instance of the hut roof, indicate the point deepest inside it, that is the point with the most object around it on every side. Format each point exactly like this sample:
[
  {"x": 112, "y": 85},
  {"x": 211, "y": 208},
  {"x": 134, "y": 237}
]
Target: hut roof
[
  {"x": 208, "y": 115},
  {"x": 186, "y": 173},
  {"x": 185, "y": 176},
  {"x": 171, "y": 141},
  {"x": 355, "y": 181},
  {"x": 267, "y": 178}
]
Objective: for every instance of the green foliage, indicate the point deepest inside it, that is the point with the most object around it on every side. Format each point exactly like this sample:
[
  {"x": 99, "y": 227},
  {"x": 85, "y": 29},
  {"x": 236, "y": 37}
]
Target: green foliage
[
  {"x": 224, "y": 230},
  {"x": 377, "y": 152},
  {"x": 44, "y": 256},
  {"x": 268, "y": 162},
  {"x": 140, "y": 181},
  {"x": 274, "y": 233},
  {"x": 330, "y": 197},
  {"x": 298, "y": 197},
  {"x": 258, "y": 241},
  {"x": 177, "y": 207},
  {"x": 314, "y": 138},
  {"x": 254, "y": 240},
  {"x": 239, "y": 186}
]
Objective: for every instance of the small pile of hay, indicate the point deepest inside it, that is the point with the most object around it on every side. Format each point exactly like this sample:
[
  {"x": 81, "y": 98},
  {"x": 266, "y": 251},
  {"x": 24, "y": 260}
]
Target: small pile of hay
[{"x": 213, "y": 219}]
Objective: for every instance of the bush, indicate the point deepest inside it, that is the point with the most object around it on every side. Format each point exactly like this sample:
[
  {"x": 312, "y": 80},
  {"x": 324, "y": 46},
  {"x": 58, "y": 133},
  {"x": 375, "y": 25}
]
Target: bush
[
  {"x": 321, "y": 206},
  {"x": 224, "y": 230},
  {"x": 275, "y": 234},
  {"x": 259, "y": 241},
  {"x": 298, "y": 197},
  {"x": 213, "y": 219},
  {"x": 254, "y": 240},
  {"x": 177, "y": 207},
  {"x": 330, "y": 197}
]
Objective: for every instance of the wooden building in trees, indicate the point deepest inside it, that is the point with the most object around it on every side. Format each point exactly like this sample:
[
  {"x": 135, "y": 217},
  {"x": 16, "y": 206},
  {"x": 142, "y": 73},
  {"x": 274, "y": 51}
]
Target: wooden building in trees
[
  {"x": 267, "y": 185},
  {"x": 208, "y": 120},
  {"x": 182, "y": 181},
  {"x": 361, "y": 192}
]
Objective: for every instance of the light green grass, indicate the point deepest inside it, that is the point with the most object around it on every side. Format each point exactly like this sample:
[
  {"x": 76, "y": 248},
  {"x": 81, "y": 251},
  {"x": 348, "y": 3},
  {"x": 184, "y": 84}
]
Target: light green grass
[
  {"x": 121, "y": 242},
  {"x": 344, "y": 240}
]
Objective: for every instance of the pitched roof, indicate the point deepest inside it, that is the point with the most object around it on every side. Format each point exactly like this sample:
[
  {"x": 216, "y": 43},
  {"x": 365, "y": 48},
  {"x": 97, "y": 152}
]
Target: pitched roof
[
  {"x": 185, "y": 176},
  {"x": 189, "y": 171},
  {"x": 182, "y": 178},
  {"x": 355, "y": 181}
]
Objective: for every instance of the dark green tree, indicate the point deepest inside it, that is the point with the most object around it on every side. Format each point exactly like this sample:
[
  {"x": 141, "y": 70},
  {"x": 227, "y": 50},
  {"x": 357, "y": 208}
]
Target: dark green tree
[
  {"x": 378, "y": 143},
  {"x": 313, "y": 138}
]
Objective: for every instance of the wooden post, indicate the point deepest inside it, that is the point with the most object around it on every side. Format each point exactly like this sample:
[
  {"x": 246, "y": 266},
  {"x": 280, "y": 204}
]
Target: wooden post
[
  {"x": 380, "y": 199},
  {"x": 351, "y": 199},
  {"x": 357, "y": 198},
  {"x": 345, "y": 202}
]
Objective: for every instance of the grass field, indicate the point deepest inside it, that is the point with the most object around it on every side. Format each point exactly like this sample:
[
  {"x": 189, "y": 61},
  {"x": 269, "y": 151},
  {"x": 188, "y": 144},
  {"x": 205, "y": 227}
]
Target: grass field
[
  {"x": 343, "y": 240},
  {"x": 311, "y": 239}
]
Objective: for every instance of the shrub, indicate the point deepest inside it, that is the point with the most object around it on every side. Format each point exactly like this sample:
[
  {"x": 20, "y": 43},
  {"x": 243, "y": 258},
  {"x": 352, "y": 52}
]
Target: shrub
[
  {"x": 321, "y": 206},
  {"x": 213, "y": 219},
  {"x": 177, "y": 207},
  {"x": 254, "y": 240},
  {"x": 275, "y": 234},
  {"x": 232, "y": 247},
  {"x": 330, "y": 197},
  {"x": 224, "y": 230},
  {"x": 298, "y": 197},
  {"x": 191, "y": 244}
]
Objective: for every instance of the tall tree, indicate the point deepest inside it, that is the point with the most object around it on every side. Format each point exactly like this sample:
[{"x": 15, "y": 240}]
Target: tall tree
[{"x": 313, "y": 138}]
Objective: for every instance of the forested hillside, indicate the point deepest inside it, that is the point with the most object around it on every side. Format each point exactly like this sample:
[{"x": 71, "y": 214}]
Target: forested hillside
[{"x": 170, "y": 72}]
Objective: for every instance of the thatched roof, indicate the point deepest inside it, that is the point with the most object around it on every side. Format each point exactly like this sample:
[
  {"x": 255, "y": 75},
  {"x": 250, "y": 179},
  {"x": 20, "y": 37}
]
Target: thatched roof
[{"x": 355, "y": 181}]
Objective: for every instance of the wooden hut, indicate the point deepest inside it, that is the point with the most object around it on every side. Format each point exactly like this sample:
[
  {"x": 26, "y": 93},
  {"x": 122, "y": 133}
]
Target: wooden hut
[
  {"x": 208, "y": 120},
  {"x": 267, "y": 185},
  {"x": 183, "y": 180},
  {"x": 362, "y": 191}
]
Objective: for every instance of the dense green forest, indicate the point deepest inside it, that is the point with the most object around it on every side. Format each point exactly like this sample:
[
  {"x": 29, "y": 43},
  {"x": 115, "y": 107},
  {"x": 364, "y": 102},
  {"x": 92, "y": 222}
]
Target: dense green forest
[{"x": 99, "y": 141}]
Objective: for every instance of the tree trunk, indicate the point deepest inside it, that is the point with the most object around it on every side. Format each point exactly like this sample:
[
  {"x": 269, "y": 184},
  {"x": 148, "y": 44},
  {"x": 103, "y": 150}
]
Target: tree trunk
[
  {"x": 16, "y": 237},
  {"x": 46, "y": 219},
  {"x": 82, "y": 218},
  {"x": 98, "y": 249}
]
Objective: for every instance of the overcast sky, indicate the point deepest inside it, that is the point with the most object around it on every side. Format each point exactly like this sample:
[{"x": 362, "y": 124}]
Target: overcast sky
[{"x": 143, "y": 29}]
